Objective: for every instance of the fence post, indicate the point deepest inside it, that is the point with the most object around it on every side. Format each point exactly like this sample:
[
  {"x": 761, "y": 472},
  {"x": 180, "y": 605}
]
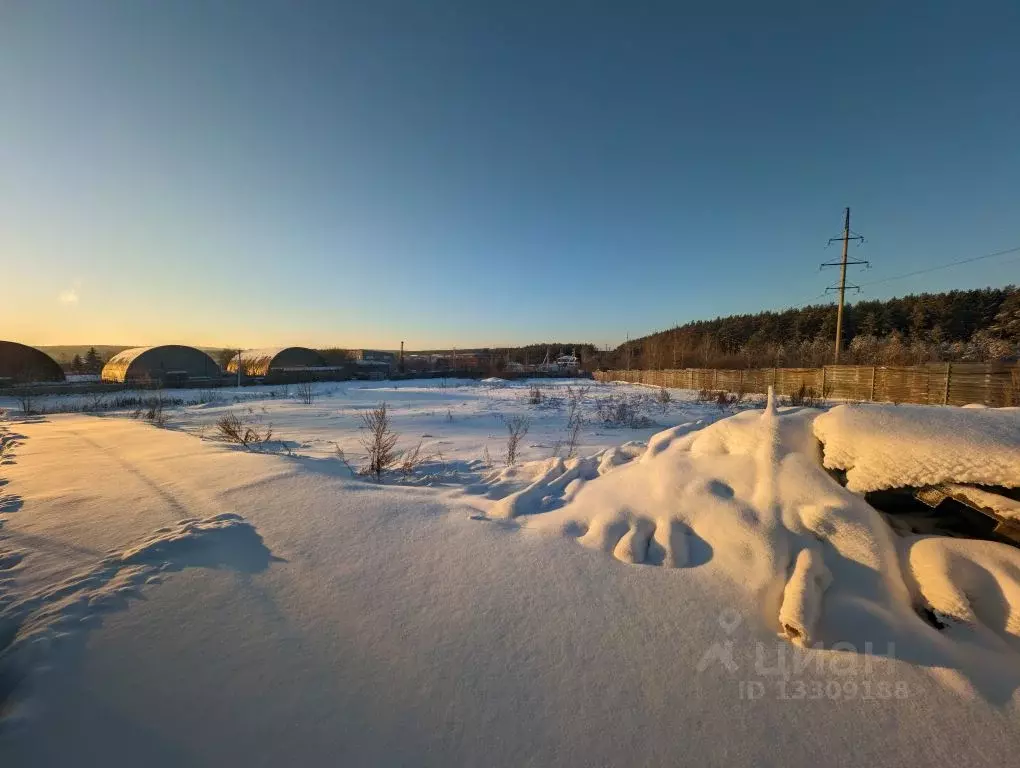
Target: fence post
[
  {"x": 822, "y": 393},
  {"x": 945, "y": 395},
  {"x": 872, "y": 397}
]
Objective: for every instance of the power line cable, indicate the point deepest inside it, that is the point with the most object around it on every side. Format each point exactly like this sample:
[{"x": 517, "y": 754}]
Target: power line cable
[{"x": 942, "y": 266}]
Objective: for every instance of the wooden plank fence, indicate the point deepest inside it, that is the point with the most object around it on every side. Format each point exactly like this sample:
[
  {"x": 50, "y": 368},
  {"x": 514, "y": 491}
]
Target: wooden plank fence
[{"x": 992, "y": 384}]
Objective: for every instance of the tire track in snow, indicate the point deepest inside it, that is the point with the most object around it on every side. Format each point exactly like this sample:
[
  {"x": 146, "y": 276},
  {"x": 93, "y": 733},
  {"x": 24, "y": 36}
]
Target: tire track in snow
[{"x": 179, "y": 509}]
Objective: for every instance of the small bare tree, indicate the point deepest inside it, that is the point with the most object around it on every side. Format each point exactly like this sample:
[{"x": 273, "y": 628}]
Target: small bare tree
[
  {"x": 575, "y": 399},
  {"x": 380, "y": 441},
  {"x": 26, "y": 397},
  {"x": 535, "y": 395},
  {"x": 305, "y": 392},
  {"x": 575, "y": 417},
  {"x": 516, "y": 427},
  {"x": 573, "y": 437}
]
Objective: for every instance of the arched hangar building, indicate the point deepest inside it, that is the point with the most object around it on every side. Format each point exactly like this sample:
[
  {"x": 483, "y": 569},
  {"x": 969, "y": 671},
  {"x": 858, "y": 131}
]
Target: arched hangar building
[
  {"x": 264, "y": 362},
  {"x": 168, "y": 364},
  {"x": 19, "y": 363}
]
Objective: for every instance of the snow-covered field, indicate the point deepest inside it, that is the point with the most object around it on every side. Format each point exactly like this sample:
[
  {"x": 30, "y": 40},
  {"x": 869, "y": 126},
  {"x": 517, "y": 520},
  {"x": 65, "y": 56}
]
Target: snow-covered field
[{"x": 684, "y": 586}]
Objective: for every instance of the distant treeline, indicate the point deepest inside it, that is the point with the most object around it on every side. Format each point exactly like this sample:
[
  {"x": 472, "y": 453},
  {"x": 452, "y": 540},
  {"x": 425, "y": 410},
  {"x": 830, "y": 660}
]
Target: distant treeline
[{"x": 959, "y": 326}]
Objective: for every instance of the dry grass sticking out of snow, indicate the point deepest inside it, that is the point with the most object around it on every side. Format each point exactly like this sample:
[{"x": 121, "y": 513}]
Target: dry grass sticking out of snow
[{"x": 456, "y": 422}]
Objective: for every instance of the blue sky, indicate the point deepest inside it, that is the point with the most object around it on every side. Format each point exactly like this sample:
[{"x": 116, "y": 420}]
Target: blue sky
[{"x": 486, "y": 173}]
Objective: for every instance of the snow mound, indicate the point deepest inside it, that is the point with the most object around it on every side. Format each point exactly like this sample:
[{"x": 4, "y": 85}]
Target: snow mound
[
  {"x": 972, "y": 588},
  {"x": 747, "y": 499},
  {"x": 746, "y": 494},
  {"x": 542, "y": 484},
  {"x": 886, "y": 446}
]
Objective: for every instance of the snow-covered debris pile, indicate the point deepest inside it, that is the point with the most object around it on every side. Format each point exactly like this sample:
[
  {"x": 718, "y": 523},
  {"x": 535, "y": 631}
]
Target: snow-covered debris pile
[
  {"x": 914, "y": 446},
  {"x": 747, "y": 499}
]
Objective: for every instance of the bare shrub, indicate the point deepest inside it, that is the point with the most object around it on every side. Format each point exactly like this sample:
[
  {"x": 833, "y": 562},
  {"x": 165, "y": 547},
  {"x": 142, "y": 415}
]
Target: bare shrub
[
  {"x": 95, "y": 401},
  {"x": 305, "y": 392},
  {"x": 535, "y": 395},
  {"x": 575, "y": 416},
  {"x": 517, "y": 427},
  {"x": 27, "y": 398},
  {"x": 724, "y": 399},
  {"x": 805, "y": 396},
  {"x": 573, "y": 436},
  {"x": 575, "y": 400},
  {"x": 230, "y": 427},
  {"x": 380, "y": 441},
  {"x": 604, "y": 408},
  {"x": 155, "y": 412},
  {"x": 411, "y": 461},
  {"x": 624, "y": 411},
  {"x": 233, "y": 429},
  {"x": 486, "y": 458},
  {"x": 664, "y": 398}
]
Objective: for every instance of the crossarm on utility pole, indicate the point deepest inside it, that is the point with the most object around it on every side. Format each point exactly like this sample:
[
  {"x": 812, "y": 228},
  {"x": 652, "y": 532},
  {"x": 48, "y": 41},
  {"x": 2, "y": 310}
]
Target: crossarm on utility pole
[{"x": 846, "y": 237}]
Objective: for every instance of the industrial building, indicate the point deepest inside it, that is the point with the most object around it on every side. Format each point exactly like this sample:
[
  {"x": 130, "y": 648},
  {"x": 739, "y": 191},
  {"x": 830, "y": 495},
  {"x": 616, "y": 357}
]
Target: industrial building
[
  {"x": 20, "y": 364},
  {"x": 168, "y": 365},
  {"x": 280, "y": 360}
]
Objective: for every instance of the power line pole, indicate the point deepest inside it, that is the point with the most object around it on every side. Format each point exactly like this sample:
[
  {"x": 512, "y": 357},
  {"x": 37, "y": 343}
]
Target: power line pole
[{"x": 846, "y": 237}]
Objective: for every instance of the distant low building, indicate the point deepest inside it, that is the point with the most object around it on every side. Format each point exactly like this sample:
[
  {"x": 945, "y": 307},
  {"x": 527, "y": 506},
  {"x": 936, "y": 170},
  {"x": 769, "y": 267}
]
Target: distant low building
[
  {"x": 168, "y": 365},
  {"x": 374, "y": 355},
  {"x": 362, "y": 363},
  {"x": 23, "y": 364}
]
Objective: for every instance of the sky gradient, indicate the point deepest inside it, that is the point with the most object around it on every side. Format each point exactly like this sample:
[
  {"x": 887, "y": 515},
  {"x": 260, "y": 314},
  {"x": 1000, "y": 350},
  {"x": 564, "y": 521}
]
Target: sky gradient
[{"x": 488, "y": 173}]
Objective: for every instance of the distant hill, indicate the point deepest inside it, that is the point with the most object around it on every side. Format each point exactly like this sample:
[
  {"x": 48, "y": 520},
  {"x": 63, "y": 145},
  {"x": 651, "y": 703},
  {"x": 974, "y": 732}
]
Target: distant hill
[{"x": 64, "y": 353}]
